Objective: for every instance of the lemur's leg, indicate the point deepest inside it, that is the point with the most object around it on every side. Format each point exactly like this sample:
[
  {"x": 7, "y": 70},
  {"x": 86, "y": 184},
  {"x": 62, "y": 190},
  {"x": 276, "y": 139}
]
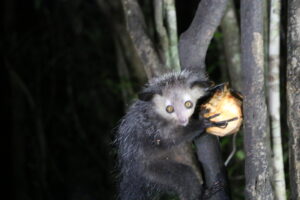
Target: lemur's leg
[
  {"x": 178, "y": 177},
  {"x": 132, "y": 187}
]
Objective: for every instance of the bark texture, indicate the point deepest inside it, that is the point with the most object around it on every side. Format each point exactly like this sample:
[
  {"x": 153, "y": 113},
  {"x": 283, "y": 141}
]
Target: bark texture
[
  {"x": 212, "y": 164},
  {"x": 293, "y": 95},
  {"x": 166, "y": 29},
  {"x": 274, "y": 100},
  {"x": 162, "y": 35},
  {"x": 194, "y": 41},
  {"x": 136, "y": 28},
  {"x": 256, "y": 139},
  {"x": 193, "y": 46},
  {"x": 171, "y": 24}
]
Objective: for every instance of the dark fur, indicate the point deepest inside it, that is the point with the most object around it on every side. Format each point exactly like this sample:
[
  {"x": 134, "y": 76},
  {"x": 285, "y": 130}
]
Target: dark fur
[{"x": 156, "y": 156}]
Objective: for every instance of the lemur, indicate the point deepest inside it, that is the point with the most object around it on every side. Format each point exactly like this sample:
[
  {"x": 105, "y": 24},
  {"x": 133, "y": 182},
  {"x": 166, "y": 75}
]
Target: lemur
[{"x": 155, "y": 137}]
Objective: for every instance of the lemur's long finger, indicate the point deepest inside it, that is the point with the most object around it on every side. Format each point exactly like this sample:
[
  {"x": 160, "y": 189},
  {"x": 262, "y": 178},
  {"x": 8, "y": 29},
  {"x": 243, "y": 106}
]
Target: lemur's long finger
[
  {"x": 223, "y": 124},
  {"x": 213, "y": 116},
  {"x": 216, "y": 87},
  {"x": 232, "y": 119}
]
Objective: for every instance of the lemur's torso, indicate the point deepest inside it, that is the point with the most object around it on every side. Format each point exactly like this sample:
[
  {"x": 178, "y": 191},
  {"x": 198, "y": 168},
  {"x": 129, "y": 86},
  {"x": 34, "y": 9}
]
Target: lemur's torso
[{"x": 155, "y": 137}]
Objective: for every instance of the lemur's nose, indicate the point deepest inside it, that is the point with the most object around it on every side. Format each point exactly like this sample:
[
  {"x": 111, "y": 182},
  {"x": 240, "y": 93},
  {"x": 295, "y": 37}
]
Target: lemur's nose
[{"x": 183, "y": 122}]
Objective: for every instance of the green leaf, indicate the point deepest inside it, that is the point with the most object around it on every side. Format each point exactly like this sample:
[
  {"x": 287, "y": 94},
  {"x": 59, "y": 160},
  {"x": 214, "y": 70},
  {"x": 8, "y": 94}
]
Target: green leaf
[{"x": 240, "y": 155}]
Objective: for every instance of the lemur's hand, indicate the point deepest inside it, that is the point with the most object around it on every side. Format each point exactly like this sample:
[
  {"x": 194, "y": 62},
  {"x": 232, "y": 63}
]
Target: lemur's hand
[
  {"x": 208, "y": 123},
  {"x": 195, "y": 125}
]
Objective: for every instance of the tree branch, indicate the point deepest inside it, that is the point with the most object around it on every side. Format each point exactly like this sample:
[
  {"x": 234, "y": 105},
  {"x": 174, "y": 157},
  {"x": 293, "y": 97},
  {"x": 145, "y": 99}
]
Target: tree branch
[
  {"x": 194, "y": 42},
  {"x": 209, "y": 155},
  {"x": 256, "y": 136},
  {"x": 274, "y": 99},
  {"x": 293, "y": 95},
  {"x": 171, "y": 24},
  {"x": 161, "y": 31},
  {"x": 136, "y": 28},
  {"x": 113, "y": 12},
  {"x": 231, "y": 34},
  {"x": 193, "y": 46}
]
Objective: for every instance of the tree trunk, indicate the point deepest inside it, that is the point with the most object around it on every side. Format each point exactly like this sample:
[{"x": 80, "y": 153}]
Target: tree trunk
[
  {"x": 293, "y": 95},
  {"x": 162, "y": 35},
  {"x": 193, "y": 46},
  {"x": 166, "y": 29},
  {"x": 274, "y": 100},
  {"x": 256, "y": 139},
  {"x": 171, "y": 24},
  {"x": 231, "y": 34}
]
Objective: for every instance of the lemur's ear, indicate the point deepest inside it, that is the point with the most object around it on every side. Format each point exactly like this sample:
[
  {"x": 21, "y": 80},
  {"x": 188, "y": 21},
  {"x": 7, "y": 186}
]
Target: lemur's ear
[
  {"x": 202, "y": 84},
  {"x": 148, "y": 93}
]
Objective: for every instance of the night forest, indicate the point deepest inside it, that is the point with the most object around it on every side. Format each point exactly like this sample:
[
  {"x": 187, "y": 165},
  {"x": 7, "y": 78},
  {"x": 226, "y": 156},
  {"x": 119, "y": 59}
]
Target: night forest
[{"x": 71, "y": 69}]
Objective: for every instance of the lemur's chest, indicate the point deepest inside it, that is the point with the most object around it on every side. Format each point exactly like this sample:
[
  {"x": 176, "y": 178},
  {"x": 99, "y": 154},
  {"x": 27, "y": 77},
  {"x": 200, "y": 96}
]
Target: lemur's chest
[{"x": 182, "y": 153}]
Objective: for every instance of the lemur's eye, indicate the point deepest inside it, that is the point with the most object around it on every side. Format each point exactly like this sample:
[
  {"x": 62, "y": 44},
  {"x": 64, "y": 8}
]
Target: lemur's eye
[
  {"x": 188, "y": 104},
  {"x": 170, "y": 109}
]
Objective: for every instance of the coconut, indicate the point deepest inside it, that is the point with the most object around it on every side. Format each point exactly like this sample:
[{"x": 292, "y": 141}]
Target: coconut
[{"x": 225, "y": 104}]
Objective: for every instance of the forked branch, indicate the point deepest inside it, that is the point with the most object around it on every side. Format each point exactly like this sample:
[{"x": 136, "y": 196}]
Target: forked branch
[
  {"x": 136, "y": 28},
  {"x": 193, "y": 45},
  {"x": 194, "y": 41}
]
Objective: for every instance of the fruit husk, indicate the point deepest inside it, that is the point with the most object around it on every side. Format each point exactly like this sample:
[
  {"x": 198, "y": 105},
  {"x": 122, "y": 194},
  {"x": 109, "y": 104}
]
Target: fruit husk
[{"x": 228, "y": 104}]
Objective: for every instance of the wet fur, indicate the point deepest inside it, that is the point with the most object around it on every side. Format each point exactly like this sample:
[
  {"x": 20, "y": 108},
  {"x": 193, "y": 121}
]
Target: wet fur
[{"x": 156, "y": 155}]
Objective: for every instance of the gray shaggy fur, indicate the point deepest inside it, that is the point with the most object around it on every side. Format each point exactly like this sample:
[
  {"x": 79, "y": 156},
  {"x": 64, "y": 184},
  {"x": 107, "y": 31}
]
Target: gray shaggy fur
[{"x": 155, "y": 156}]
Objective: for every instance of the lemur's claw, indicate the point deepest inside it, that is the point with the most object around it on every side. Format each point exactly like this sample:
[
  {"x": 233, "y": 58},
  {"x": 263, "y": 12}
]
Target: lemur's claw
[
  {"x": 220, "y": 124},
  {"x": 213, "y": 116},
  {"x": 223, "y": 124}
]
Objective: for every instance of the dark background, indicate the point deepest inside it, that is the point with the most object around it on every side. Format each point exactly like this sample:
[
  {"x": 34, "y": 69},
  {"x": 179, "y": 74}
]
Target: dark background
[{"x": 63, "y": 98}]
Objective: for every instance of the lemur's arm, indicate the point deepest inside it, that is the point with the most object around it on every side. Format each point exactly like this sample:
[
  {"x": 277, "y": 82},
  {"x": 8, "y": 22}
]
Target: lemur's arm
[{"x": 194, "y": 129}]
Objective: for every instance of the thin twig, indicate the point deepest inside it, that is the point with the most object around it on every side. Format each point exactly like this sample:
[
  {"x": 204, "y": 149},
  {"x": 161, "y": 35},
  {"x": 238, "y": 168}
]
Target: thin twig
[{"x": 233, "y": 150}]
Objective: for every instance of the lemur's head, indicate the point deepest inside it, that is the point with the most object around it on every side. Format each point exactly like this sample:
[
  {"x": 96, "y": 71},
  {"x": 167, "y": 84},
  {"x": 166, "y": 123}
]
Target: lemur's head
[{"x": 174, "y": 95}]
